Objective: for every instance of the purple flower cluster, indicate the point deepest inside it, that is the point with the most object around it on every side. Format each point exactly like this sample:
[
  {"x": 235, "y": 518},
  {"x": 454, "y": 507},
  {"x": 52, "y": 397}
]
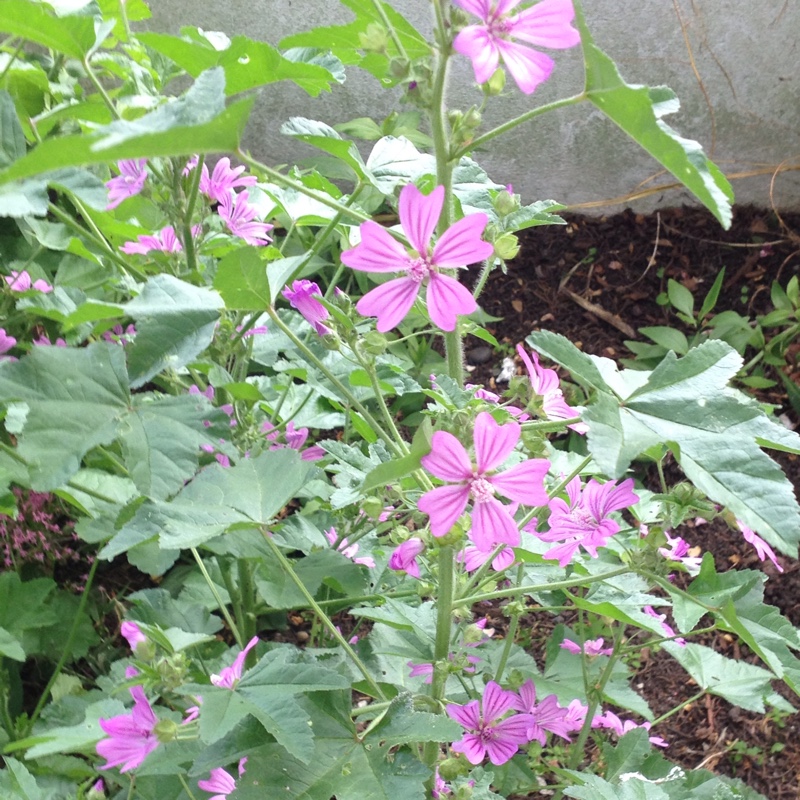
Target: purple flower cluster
[{"x": 37, "y": 535}]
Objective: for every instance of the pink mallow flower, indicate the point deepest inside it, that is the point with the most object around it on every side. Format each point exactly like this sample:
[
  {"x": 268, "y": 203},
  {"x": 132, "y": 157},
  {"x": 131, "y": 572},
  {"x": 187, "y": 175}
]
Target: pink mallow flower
[
  {"x": 546, "y": 715},
  {"x": 132, "y": 736},
  {"x": 303, "y": 296},
  {"x": 763, "y": 550},
  {"x": 239, "y": 216},
  {"x": 6, "y": 343},
  {"x": 164, "y": 241},
  {"x": 458, "y": 246},
  {"x": 666, "y": 627},
  {"x": 486, "y": 733},
  {"x": 349, "y": 550},
  {"x": 129, "y": 182},
  {"x": 44, "y": 341},
  {"x": 223, "y": 180},
  {"x": 133, "y": 634},
  {"x": 221, "y": 781},
  {"x": 478, "y": 483},
  {"x": 473, "y": 558},
  {"x": 22, "y": 282},
  {"x": 584, "y": 521},
  {"x": 404, "y": 558},
  {"x": 591, "y": 647},
  {"x": 546, "y": 24},
  {"x": 611, "y": 721},
  {"x": 544, "y": 383},
  {"x": 229, "y": 676}
]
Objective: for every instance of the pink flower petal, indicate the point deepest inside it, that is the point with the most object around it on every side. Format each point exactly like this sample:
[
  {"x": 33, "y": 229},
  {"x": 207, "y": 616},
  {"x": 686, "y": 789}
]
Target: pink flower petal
[
  {"x": 524, "y": 483},
  {"x": 493, "y": 442},
  {"x": 493, "y": 525},
  {"x": 528, "y": 67},
  {"x": 378, "y": 251},
  {"x": 444, "y": 506},
  {"x": 461, "y": 243},
  {"x": 547, "y": 24},
  {"x": 390, "y": 302},
  {"x": 467, "y": 715},
  {"x": 419, "y": 214},
  {"x": 496, "y": 701},
  {"x": 448, "y": 460},
  {"x": 479, "y": 46},
  {"x": 447, "y": 298}
]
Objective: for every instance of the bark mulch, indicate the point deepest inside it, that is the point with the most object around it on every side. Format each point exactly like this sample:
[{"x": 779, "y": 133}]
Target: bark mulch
[{"x": 596, "y": 281}]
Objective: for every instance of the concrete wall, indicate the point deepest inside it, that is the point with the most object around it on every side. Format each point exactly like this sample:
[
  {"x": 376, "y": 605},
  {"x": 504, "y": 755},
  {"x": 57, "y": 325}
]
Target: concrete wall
[{"x": 733, "y": 63}]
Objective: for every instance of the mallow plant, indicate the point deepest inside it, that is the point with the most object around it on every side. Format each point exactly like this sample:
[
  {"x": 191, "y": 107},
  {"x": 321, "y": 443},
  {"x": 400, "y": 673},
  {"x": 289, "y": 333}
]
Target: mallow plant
[{"x": 248, "y": 383}]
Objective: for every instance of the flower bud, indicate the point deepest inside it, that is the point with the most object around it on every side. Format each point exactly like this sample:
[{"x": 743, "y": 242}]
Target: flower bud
[
  {"x": 374, "y": 39},
  {"x": 330, "y": 341},
  {"x": 496, "y": 83},
  {"x": 472, "y": 119},
  {"x": 473, "y": 634},
  {"x": 506, "y": 247},
  {"x": 505, "y": 203},
  {"x": 399, "y": 534},
  {"x": 452, "y": 768},
  {"x": 372, "y": 507},
  {"x": 166, "y": 731},
  {"x": 375, "y": 343}
]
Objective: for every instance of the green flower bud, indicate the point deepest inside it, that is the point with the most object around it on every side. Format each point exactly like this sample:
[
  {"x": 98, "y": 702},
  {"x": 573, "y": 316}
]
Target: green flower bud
[
  {"x": 472, "y": 119},
  {"x": 374, "y": 39},
  {"x": 506, "y": 247},
  {"x": 372, "y": 507},
  {"x": 452, "y": 768},
  {"x": 496, "y": 83},
  {"x": 375, "y": 343},
  {"x": 399, "y": 534},
  {"x": 166, "y": 731},
  {"x": 473, "y": 634},
  {"x": 399, "y": 68},
  {"x": 330, "y": 341},
  {"x": 505, "y": 203}
]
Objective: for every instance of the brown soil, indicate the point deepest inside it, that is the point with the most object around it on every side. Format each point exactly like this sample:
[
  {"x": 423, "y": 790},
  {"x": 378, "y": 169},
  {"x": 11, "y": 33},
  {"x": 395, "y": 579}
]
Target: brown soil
[{"x": 596, "y": 281}]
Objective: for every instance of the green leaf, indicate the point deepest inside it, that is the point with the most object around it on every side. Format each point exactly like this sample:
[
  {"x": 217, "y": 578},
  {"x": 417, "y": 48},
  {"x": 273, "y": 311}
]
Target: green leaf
[
  {"x": 241, "y": 279},
  {"x": 247, "y": 64},
  {"x": 17, "y": 783},
  {"x": 344, "y": 41},
  {"x": 175, "y": 323},
  {"x": 72, "y": 35},
  {"x": 680, "y": 297},
  {"x": 322, "y": 136},
  {"x": 249, "y": 493},
  {"x": 715, "y": 432},
  {"x": 740, "y": 683},
  {"x": 10, "y": 646},
  {"x": 340, "y": 765},
  {"x": 27, "y": 198},
  {"x": 194, "y": 123},
  {"x": 161, "y": 442},
  {"x": 76, "y": 398},
  {"x": 713, "y": 295},
  {"x": 638, "y": 110},
  {"x": 12, "y": 138},
  {"x": 402, "y": 725},
  {"x": 668, "y": 338}
]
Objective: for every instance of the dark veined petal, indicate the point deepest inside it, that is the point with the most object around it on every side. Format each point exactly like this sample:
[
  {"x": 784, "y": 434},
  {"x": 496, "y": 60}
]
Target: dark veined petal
[
  {"x": 444, "y": 505},
  {"x": 390, "y": 302},
  {"x": 528, "y": 67},
  {"x": 492, "y": 525},
  {"x": 447, "y": 299},
  {"x": 419, "y": 214},
  {"x": 524, "y": 482},
  {"x": 479, "y": 46},
  {"x": 493, "y": 442}
]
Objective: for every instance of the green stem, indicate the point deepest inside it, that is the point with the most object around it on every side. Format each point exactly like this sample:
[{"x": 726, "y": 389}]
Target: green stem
[
  {"x": 533, "y": 588},
  {"x": 186, "y": 787},
  {"x": 522, "y": 118},
  {"x": 233, "y": 593},
  {"x": 65, "y": 653},
  {"x": 511, "y": 634},
  {"x": 346, "y": 602},
  {"x": 441, "y": 648},
  {"x": 284, "y": 180},
  {"x": 5, "y": 716},
  {"x": 97, "y": 239},
  {"x": 482, "y": 278},
  {"x": 99, "y": 86},
  {"x": 12, "y": 58},
  {"x": 326, "y": 621},
  {"x": 222, "y": 607},
  {"x": 246, "y": 599},
  {"x": 188, "y": 236},
  {"x": 345, "y": 392},
  {"x": 390, "y": 28},
  {"x": 547, "y": 425},
  {"x": 693, "y": 699},
  {"x": 369, "y": 368}
]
